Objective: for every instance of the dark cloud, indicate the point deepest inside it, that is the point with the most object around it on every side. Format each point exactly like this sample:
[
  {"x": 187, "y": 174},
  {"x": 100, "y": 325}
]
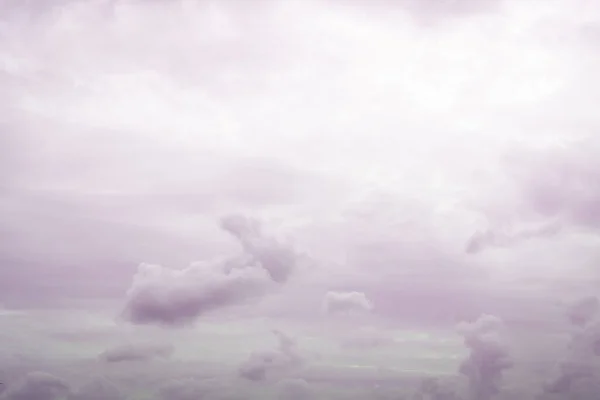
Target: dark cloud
[
  {"x": 488, "y": 357},
  {"x": 346, "y": 303},
  {"x": 173, "y": 297},
  {"x": 38, "y": 386},
  {"x": 260, "y": 364},
  {"x": 136, "y": 352}
]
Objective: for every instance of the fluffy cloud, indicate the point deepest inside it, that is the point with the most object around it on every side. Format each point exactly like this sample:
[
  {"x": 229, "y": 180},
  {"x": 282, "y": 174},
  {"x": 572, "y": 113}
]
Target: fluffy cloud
[
  {"x": 578, "y": 367},
  {"x": 488, "y": 357},
  {"x": 173, "y": 297},
  {"x": 136, "y": 352},
  {"x": 260, "y": 364},
  {"x": 346, "y": 302}
]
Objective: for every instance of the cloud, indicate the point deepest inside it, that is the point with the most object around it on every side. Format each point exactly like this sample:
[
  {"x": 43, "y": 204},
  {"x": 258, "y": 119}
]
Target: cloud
[
  {"x": 346, "y": 302},
  {"x": 436, "y": 389},
  {"x": 277, "y": 259},
  {"x": 294, "y": 389},
  {"x": 189, "y": 389},
  {"x": 488, "y": 356},
  {"x": 552, "y": 189},
  {"x": 578, "y": 365},
  {"x": 136, "y": 353},
  {"x": 560, "y": 181},
  {"x": 494, "y": 238},
  {"x": 261, "y": 364},
  {"x": 367, "y": 337},
  {"x": 173, "y": 297},
  {"x": 583, "y": 311},
  {"x": 97, "y": 389},
  {"x": 38, "y": 386}
]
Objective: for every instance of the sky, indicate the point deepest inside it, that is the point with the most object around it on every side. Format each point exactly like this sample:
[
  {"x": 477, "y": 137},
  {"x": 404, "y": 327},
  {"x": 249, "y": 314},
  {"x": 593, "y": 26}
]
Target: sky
[{"x": 413, "y": 163}]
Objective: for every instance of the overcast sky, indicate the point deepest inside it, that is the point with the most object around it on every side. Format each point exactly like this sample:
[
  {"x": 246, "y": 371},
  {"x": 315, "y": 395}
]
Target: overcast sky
[{"x": 437, "y": 156}]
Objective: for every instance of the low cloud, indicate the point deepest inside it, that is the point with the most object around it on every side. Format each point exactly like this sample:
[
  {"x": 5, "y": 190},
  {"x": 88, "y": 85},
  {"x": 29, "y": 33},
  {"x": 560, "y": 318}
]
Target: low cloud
[
  {"x": 176, "y": 297},
  {"x": 97, "y": 389},
  {"x": 578, "y": 366},
  {"x": 38, "y": 386},
  {"x": 582, "y": 311},
  {"x": 189, "y": 389},
  {"x": 346, "y": 302},
  {"x": 488, "y": 357},
  {"x": 367, "y": 338},
  {"x": 294, "y": 389},
  {"x": 436, "y": 389},
  {"x": 136, "y": 352},
  {"x": 261, "y": 364},
  {"x": 493, "y": 237}
]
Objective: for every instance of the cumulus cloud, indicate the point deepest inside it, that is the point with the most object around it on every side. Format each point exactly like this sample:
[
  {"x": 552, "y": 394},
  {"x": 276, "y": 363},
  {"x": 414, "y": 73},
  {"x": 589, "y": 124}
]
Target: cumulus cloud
[
  {"x": 136, "y": 352},
  {"x": 277, "y": 259},
  {"x": 38, "y": 386},
  {"x": 172, "y": 297},
  {"x": 488, "y": 356},
  {"x": 346, "y": 303},
  {"x": 260, "y": 364},
  {"x": 578, "y": 366}
]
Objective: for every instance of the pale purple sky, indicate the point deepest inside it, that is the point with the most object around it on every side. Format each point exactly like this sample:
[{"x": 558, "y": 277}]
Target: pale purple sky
[
  {"x": 272, "y": 194},
  {"x": 438, "y": 157}
]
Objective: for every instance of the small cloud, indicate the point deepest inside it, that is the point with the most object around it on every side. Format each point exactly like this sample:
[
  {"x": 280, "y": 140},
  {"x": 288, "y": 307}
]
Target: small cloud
[
  {"x": 346, "y": 302},
  {"x": 484, "y": 239},
  {"x": 136, "y": 352}
]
